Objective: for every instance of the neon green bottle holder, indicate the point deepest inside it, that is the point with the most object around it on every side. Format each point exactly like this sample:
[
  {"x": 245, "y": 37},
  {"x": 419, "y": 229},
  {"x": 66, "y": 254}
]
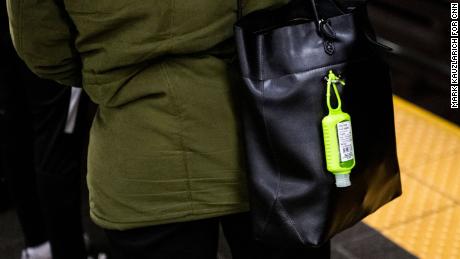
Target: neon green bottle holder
[{"x": 338, "y": 137}]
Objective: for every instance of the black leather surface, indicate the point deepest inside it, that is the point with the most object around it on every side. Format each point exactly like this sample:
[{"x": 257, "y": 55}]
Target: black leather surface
[{"x": 294, "y": 198}]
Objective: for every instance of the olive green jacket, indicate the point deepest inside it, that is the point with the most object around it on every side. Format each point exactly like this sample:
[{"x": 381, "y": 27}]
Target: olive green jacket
[{"x": 164, "y": 144}]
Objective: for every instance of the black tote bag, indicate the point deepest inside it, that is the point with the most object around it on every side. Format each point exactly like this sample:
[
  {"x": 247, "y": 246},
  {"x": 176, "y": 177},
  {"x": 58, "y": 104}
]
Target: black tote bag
[{"x": 285, "y": 54}]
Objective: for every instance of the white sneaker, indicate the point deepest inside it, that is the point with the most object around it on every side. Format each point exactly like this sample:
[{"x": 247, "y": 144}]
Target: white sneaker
[
  {"x": 88, "y": 246},
  {"x": 99, "y": 256},
  {"x": 42, "y": 251}
]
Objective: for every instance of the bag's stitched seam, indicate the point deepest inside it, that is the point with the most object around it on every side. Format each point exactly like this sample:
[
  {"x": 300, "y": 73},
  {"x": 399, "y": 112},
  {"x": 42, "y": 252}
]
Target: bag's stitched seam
[
  {"x": 278, "y": 188},
  {"x": 292, "y": 223},
  {"x": 270, "y": 211},
  {"x": 309, "y": 70},
  {"x": 260, "y": 56}
]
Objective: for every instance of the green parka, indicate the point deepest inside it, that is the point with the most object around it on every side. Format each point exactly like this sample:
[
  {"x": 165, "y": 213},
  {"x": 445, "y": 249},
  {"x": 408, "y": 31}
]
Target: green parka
[{"x": 164, "y": 145}]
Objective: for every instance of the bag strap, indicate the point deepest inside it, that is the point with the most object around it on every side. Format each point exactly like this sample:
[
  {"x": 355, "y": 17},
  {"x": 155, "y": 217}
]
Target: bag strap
[{"x": 312, "y": 3}]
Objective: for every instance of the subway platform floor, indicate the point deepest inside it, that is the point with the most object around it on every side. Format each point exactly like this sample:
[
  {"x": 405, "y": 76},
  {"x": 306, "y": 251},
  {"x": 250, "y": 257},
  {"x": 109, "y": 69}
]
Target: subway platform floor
[{"x": 423, "y": 223}]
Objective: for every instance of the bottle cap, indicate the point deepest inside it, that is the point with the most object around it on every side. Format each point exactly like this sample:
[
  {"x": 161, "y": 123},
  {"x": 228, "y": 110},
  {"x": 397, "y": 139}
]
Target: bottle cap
[{"x": 342, "y": 180}]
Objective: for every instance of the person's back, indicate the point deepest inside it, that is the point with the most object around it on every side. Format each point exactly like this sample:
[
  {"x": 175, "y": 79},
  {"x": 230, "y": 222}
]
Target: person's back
[{"x": 164, "y": 145}]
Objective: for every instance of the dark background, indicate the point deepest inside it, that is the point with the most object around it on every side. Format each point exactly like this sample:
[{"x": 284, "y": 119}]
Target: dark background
[{"x": 419, "y": 33}]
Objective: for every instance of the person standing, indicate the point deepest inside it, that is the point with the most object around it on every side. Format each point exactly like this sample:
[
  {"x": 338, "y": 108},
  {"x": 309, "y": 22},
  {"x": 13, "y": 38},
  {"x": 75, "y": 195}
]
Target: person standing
[
  {"x": 42, "y": 150},
  {"x": 165, "y": 163}
]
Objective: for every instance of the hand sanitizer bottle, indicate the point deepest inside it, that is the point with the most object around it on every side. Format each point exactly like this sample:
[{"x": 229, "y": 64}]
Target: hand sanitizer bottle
[{"x": 338, "y": 138}]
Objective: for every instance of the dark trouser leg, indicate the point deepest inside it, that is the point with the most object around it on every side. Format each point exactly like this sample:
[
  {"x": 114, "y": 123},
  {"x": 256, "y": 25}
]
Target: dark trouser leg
[
  {"x": 237, "y": 230},
  {"x": 198, "y": 240},
  {"x": 17, "y": 152},
  {"x": 271, "y": 252},
  {"x": 191, "y": 240},
  {"x": 58, "y": 158},
  {"x": 42, "y": 161}
]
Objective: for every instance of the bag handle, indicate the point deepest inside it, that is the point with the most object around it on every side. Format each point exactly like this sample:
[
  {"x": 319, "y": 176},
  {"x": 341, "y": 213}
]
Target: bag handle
[
  {"x": 315, "y": 13},
  {"x": 312, "y": 2},
  {"x": 322, "y": 26}
]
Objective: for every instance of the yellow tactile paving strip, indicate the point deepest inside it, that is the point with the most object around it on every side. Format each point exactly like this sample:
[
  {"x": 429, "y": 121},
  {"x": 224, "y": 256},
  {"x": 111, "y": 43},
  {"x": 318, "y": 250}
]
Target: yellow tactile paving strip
[{"x": 426, "y": 219}]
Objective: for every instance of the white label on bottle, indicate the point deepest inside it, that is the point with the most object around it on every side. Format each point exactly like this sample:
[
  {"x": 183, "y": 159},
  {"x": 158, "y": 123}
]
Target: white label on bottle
[{"x": 345, "y": 141}]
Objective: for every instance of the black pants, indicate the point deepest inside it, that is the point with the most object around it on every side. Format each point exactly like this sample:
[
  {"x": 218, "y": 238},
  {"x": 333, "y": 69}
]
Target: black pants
[
  {"x": 42, "y": 163},
  {"x": 199, "y": 240}
]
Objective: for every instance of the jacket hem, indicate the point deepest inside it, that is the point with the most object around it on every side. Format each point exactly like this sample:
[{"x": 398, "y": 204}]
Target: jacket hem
[{"x": 173, "y": 218}]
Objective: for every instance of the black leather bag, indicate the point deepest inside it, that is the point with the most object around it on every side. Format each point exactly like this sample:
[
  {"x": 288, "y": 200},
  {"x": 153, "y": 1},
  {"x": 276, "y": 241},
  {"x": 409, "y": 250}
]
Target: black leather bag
[{"x": 285, "y": 54}]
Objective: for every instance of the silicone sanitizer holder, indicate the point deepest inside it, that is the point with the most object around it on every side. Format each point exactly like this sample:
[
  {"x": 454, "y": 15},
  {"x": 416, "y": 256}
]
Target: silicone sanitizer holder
[{"x": 338, "y": 138}]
